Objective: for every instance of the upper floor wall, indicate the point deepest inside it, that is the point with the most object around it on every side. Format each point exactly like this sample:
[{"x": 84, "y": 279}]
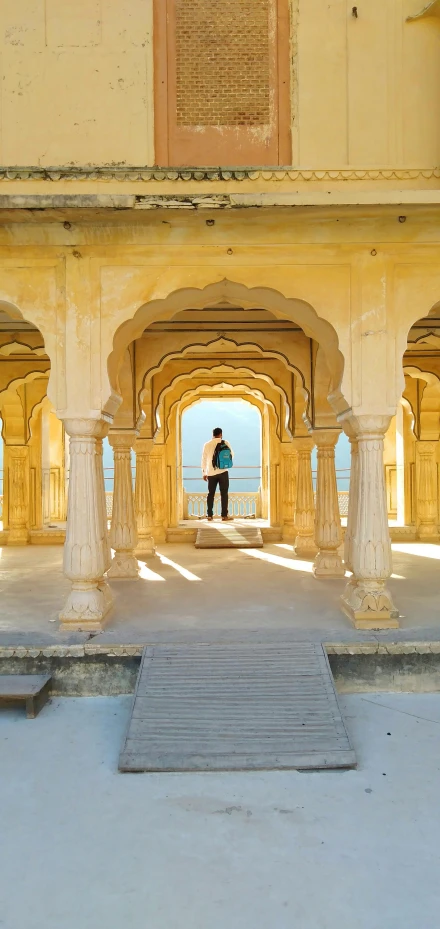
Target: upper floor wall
[{"x": 109, "y": 82}]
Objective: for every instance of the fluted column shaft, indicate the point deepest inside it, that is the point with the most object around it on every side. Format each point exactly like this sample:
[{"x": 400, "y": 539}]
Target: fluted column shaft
[
  {"x": 366, "y": 599},
  {"x": 143, "y": 504},
  {"x": 328, "y": 533},
  {"x": 18, "y": 497},
  {"x": 123, "y": 532},
  {"x": 85, "y": 555},
  {"x": 305, "y": 503},
  {"x": 103, "y": 583},
  {"x": 45, "y": 466},
  {"x": 426, "y": 483},
  {"x": 157, "y": 472},
  {"x": 290, "y": 474},
  {"x": 352, "y": 503}
]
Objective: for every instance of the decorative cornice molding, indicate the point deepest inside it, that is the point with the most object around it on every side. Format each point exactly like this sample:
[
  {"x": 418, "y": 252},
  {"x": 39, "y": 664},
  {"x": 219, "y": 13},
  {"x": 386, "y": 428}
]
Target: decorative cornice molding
[{"x": 133, "y": 173}]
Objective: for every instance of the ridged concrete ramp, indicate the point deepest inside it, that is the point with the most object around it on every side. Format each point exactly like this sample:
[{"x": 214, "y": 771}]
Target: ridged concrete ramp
[
  {"x": 228, "y": 535},
  {"x": 235, "y": 707}
]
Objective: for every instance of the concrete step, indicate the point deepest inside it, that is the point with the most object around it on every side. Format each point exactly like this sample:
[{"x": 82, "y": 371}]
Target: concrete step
[
  {"x": 270, "y": 534},
  {"x": 226, "y": 535}
]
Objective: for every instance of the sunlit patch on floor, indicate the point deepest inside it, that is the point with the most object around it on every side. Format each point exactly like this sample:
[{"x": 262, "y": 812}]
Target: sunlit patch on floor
[
  {"x": 423, "y": 549},
  {"x": 179, "y": 568},
  {"x": 294, "y": 564},
  {"x": 147, "y": 574}
]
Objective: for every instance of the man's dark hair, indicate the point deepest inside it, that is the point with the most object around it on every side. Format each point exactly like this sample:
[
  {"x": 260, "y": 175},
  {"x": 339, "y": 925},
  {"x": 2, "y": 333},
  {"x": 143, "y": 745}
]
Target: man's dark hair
[{"x": 217, "y": 432}]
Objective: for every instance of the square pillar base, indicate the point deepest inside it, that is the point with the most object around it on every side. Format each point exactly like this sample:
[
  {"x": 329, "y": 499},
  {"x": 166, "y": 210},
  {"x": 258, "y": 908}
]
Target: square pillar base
[
  {"x": 124, "y": 565},
  {"x": 371, "y": 620},
  {"x": 18, "y": 537},
  {"x": 328, "y": 564},
  {"x": 305, "y": 546},
  {"x": 85, "y": 610},
  {"x": 364, "y": 618},
  {"x": 146, "y": 547}
]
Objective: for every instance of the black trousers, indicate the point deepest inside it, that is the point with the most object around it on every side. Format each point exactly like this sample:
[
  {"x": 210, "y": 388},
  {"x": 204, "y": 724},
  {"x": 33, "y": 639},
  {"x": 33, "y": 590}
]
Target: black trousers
[{"x": 223, "y": 482}]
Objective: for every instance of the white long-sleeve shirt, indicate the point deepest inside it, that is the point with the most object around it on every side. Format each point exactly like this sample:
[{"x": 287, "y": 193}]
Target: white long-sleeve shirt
[{"x": 207, "y": 455}]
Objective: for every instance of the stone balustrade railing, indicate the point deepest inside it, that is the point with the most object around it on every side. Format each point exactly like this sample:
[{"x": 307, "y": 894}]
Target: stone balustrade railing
[
  {"x": 343, "y": 502},
  {"x": 240, "y": 504}
]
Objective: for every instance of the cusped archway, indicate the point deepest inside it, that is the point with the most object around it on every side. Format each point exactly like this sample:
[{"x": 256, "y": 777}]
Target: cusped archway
[{"x": 235, "y": 294}]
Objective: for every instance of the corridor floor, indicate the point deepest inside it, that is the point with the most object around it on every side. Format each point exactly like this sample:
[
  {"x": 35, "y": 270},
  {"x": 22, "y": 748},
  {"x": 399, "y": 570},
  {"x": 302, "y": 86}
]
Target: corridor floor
[{"x": 190, "y": 595}]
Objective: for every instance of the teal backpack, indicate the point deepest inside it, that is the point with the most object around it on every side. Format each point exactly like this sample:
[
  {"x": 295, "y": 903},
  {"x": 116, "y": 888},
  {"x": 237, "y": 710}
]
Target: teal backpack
[{"x": 222, "y": 457}]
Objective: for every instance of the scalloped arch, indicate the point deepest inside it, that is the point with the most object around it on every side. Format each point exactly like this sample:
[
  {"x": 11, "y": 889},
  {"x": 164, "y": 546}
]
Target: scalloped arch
[
  {"x": 221, "y": 371},
  {"x": 267, "y": 298},
  {"x": 204, "y": 390},
  {"x": 243, "y": 346},
  {"x": 420, "y": 374},
  {"x": 19, "y": 381}
]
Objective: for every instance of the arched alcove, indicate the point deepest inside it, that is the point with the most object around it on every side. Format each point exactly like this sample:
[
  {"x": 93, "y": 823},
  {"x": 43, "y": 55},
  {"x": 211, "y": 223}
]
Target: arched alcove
[{"x": 25, "y": 371}]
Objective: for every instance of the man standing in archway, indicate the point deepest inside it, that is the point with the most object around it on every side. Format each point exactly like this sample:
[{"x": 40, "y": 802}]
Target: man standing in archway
[{"x": 216, "y": 459}]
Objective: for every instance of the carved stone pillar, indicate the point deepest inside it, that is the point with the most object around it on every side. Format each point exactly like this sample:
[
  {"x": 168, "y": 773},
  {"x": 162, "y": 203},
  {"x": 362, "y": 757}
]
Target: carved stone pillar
[
  {"x": 143, "y": 505},
  {"x": 123, "y": 532},
  {"x": 85, "y": 554},
  {"x": 352, "y": 502},
  {"x": 45, "y": 466},
  {"x": 328, "y": 533},
  {"x": 103, "y": 583},
  {"x": 290, "y": 472},
  {"x": 158, "y": 492},
  {"x": 18, "y": 497},
  {"x": 305, "y": 503},
  {"x": 426, "y": 483},
  {"x": 366, "y": 599}
]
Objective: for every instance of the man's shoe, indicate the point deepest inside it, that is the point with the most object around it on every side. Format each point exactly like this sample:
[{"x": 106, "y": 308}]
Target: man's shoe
[
  {"x": 210, "y": 518},
  {"x": 227, "y": 519}
]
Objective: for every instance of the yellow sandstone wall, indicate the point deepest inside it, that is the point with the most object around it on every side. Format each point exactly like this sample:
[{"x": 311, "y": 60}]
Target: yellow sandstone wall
[
  {"x": 77, "y": 83},
  {"x": 365, "y": 281}
]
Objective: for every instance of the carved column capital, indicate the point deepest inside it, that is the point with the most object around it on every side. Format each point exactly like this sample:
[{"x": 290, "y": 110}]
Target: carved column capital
[
  {"x": 426, "y": 449},
  {"x": 366, "y": 425},
  {"x": 122, "y": 438},
  {"x": 143, "y": 446},
  {"x": 326, "y": 438},
  {"x": 87, "y": 428},
  {"x": 18, "y": 451},
  {"x": 304, "y": 445}
]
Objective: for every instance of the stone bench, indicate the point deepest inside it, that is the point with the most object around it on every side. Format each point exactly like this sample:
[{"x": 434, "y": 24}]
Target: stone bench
[{"x": 32, "y": 689}]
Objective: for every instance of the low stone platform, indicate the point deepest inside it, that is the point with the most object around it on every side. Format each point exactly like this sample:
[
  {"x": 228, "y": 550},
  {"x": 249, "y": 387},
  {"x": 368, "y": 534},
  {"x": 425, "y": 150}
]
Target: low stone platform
[
  {"x": 189, "y": 595},
  {"x": 357, "y": 667}
]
